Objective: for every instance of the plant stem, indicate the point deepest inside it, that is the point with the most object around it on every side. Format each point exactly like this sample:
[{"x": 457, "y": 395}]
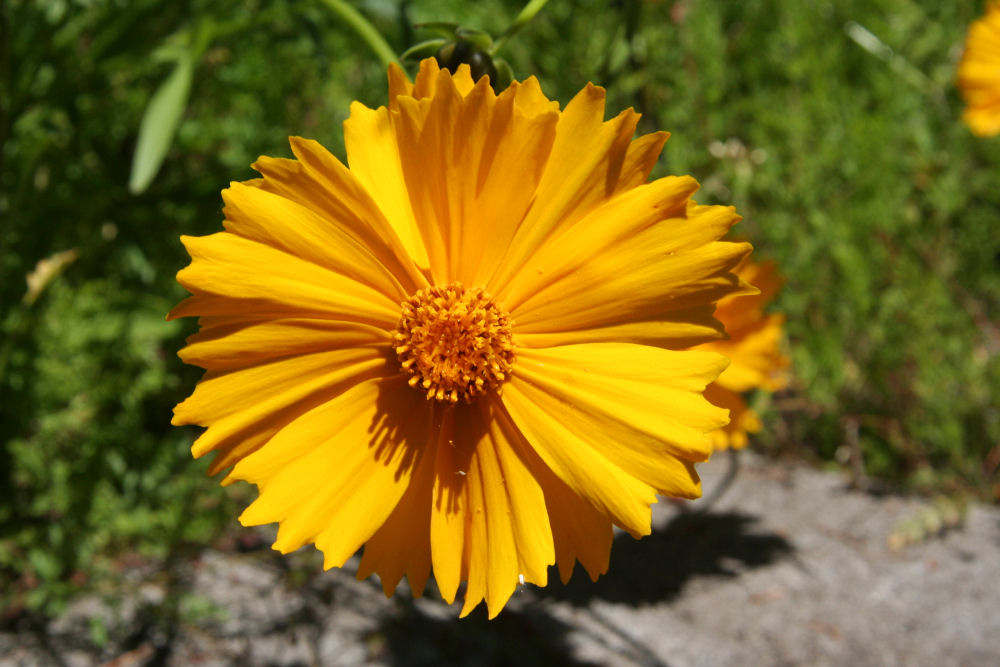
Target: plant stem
[
  {"x": 527, "y": 13},
  {"x": 365, "y": 30}
]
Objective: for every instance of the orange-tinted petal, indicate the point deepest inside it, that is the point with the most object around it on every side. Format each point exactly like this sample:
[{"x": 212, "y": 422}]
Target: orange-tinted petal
[
  {"x": 742, "y": 420},
  {"x": 582, "y": 170},
  {"x": 489, "y": 525},
  {"x": 471, "y": 162}
]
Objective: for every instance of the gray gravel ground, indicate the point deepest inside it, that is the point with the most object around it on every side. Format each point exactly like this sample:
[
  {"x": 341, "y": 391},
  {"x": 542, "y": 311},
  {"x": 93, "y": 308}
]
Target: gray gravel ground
[{"x": 790, "y": 567}]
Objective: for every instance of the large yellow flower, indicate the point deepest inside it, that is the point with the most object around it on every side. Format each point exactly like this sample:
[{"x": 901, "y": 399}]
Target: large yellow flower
[
  {"x": 753, "y": 347},
  {"x": 979, "y": 73},
  {"x": 463, "y": 351}
]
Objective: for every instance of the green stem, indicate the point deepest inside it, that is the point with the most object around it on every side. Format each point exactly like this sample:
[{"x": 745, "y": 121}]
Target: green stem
[
  {"x": 528, "y": 13},
  {"x": 365, "y": 30}
]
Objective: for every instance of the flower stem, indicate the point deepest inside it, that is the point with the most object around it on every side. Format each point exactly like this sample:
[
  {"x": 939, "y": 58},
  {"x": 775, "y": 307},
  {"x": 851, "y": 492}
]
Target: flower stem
[
  {"x": 365, "y": 30},
  {"x": 527, "y": 13}
]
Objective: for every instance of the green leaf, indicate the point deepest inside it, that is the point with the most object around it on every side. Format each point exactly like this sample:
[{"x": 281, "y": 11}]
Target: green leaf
[
  {"x": 423, "y": 49},
  {"x": 159, "y": 124}
]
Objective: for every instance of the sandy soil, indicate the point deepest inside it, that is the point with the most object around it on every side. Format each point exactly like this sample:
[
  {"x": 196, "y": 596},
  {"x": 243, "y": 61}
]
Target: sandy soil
[{"x": 789, "y": 567}]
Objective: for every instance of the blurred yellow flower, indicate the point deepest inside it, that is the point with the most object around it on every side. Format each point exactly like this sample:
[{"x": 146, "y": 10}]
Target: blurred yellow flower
[
  {"x": 753, "y": 347},
  {"x": 467, "y": 350},
  {"x": 979, "y": 73}
]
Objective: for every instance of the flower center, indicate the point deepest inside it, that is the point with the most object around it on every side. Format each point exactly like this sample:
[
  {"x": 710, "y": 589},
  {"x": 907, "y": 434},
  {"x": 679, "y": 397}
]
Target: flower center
[{"x": 455, "y": 342}]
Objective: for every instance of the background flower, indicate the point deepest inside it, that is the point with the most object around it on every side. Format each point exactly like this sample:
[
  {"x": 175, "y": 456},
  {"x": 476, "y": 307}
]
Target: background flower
[
  {"x": 754, "y": 350},
  {"x": 979, "y": 73}
]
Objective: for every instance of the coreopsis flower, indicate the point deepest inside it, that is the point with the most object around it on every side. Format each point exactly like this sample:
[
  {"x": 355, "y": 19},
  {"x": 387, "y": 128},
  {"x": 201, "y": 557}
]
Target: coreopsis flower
[
  {"x": 464, "y": 351},
  {"x": 753, "y": 347},
  {"x": 979, "y": 73}
]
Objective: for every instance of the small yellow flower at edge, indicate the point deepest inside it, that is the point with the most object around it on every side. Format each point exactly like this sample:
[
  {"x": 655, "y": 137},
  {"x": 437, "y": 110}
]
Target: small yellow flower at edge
[
  {"x": 979, "y": 73},
  {"x": 465, "y": 351},
  {"x": 753, "y": 347}
]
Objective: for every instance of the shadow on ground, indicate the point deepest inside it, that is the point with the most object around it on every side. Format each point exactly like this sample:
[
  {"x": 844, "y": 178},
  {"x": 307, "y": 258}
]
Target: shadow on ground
[
  {"x": 657, "y": 567},
  {"x": 524, "y": 637},
  {"x": 654, "y": 569}
]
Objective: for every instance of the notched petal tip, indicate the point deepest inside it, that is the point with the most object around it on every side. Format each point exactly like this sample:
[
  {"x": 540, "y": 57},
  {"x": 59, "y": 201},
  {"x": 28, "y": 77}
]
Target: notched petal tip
[
  {"x": 399, "y": 83},
  {"x": 593, "y": 90}
]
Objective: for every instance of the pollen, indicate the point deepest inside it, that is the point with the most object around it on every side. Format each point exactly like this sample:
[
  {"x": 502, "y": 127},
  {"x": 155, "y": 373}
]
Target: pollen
[{"x": 454, "y": 342}]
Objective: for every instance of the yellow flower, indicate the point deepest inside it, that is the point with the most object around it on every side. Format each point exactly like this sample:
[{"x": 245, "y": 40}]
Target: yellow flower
[
  {"x": 465, "y": 351},
  {"x": 753, "y": 347},
  {"x": 979, "y": 73}
]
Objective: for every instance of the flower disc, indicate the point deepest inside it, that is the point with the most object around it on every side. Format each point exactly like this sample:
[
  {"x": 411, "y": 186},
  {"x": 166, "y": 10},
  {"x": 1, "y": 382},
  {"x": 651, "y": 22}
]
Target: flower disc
[{"x": 454, "y": 343}]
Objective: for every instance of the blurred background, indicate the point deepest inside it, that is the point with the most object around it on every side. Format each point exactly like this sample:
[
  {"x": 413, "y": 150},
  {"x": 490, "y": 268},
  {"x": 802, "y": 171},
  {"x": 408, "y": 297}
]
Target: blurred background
[{"x": 833, "y": 126}]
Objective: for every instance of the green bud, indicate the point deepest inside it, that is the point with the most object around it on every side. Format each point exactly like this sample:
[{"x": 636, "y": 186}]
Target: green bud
[{"x": 453, "y": 54}]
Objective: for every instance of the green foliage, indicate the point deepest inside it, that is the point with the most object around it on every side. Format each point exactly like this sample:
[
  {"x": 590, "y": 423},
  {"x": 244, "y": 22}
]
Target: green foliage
[
  {"x": 845, "y": 155},
  {"x": 159, "y": 124}
]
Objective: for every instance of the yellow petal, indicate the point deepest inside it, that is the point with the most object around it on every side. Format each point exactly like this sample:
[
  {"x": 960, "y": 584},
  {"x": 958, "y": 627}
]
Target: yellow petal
[
  {"x": 582, "y": 171},
  {"x": 448, "y": 511},
  {"x": 403, "y": 544},
  {"x": 430, "y": 140},
  {"x": 639, "y": 406},
  {"x": 248, "y": 276},
  {"x": 242, "y": 345},
  {"x": 237, "y": 403},
  {"x": 510, "y": 535},
  {"x": 743, "y": 310},
  {"x": 979, "y": 74},
  {"x": 640, "y": 159},
  {"x": 756, "y": 356},
  {"x": 615, "y": 223},
  {"x": 513, "y": 474},
  {"x": 676, "y": 329},
  {"x": 530, "y": 99},
  {"x": 471, "y": 165},
  {"x": 373, "y": 156},
  {"x": 742, "y": 420},
  {"x": 754, "y": 342},
  {"x": 579, "y": 531},
  {"x": 229, "y": 453},
  {"x": 320, "y": 182},
  {"x": 615, "y": 493},
  {"x": 489, "y": 524},
  {"x": 335, "y": 474},
  {"x": 431, "y": 76},
  {"x": 635, "y": 282},
  {"x": 399, "y": 84},
  {"x": 281, "y": 223}
]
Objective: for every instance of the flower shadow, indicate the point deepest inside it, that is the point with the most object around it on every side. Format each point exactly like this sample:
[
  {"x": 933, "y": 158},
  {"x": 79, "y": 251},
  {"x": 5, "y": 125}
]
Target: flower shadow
[
  {"x": 525, "y": 637},
  {"x": 657, "y": 567}
]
